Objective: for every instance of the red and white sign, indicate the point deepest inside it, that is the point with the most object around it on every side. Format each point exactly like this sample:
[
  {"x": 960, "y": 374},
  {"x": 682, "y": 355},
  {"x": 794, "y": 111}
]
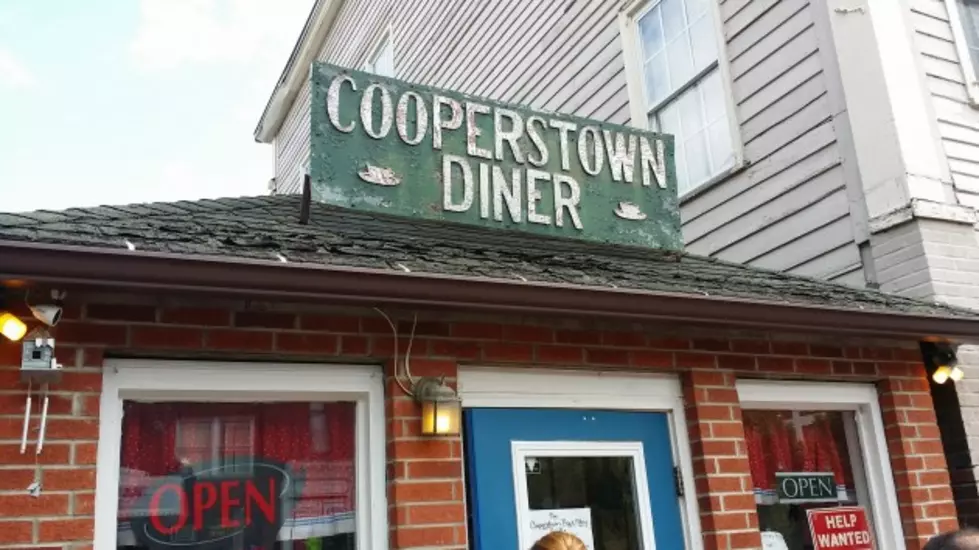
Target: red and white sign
[{"x": 840, "y": 529}]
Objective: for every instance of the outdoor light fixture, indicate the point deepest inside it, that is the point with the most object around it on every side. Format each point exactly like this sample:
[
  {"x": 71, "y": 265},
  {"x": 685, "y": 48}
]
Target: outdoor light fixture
[
  {"x": 11, "y": 326},
  {"x": 441, "y": 409},
  {"x": 946, "y": 364}
]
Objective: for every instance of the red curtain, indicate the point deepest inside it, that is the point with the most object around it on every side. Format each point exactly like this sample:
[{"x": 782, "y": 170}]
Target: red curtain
[
  {"x": 281, "y": 432},
  {"x": 773, "y": 446}
]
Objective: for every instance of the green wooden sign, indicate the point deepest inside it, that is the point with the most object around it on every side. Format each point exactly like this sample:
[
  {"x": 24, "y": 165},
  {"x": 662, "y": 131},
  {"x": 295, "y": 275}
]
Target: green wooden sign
[
  {"x": 384, "y": 145},
  {"x": 806, "y": 487}
]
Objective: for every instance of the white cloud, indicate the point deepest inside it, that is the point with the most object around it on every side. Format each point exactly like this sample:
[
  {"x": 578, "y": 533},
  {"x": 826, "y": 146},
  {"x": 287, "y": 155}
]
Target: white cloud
[
  {"x": 13, "y": 73},
  {"x": 173, "y": 33}
]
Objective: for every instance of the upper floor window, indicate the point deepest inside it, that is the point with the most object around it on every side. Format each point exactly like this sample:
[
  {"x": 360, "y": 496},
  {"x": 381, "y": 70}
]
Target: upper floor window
[
  {"x": 964, "y": 18},
  {"x": 682, "y": 87},
  {"x": 381, "y": 60}
]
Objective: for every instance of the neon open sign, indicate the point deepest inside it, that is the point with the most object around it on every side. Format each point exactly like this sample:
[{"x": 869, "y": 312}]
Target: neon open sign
[{"x": 208, "y": 508}]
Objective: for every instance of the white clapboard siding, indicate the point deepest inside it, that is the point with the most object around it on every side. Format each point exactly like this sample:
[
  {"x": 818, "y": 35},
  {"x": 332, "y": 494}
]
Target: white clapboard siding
[
  {"x": 786, "y": 210},
  {"x": 958, "y": 121}
]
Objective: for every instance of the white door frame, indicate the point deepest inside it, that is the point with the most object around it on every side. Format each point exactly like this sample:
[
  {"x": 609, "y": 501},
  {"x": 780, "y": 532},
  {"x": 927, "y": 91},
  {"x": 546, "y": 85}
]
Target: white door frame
[
  {"x": 633, "y": 450},
  {"x": 862, "y": 401},
  {"x": 151, "y": 380},
  {"x": 493, "y": 387}
]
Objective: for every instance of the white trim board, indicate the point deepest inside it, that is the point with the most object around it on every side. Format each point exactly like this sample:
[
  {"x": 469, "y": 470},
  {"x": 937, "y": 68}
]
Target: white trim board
[
  {"x": 862, "y": 400},
  {"x": 148, "y": 380},
  {"x": 487, "y": 387}
]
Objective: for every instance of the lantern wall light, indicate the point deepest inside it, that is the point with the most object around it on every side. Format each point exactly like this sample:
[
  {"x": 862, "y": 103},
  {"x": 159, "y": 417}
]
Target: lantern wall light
[{"x": 441, "y": 406}]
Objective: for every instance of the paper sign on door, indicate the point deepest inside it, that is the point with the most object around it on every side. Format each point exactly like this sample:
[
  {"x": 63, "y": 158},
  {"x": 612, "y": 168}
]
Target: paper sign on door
[{"x": 576, "y": 521}]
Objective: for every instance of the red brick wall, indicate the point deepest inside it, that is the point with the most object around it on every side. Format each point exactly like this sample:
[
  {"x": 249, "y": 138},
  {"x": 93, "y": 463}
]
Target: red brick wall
[
  {"x": 426, "y": 489},
  {"x": 724, "y": 489},
  {"x": 917, "y": 458}
]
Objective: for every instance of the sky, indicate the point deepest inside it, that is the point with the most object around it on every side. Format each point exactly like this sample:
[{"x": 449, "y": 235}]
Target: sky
[{"x": 127, "y": 101}]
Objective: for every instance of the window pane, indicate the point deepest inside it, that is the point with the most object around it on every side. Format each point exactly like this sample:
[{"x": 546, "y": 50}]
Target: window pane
[
  {"x": 970, "y": 25},
  {"x": 714, "y": 97},
  {"x": 680, "y": 61},
  {"x": 691, "y": 112},
  {"x": 674, "y": 21},
  {"x": 603, "y": 485},
  {"x": 252, "y": 475},
  {"x": 698, "y": 158},
  {"x": 702, "y": 38},
  {"x": 721, "y": 153},
  {"x": 696, "y": 8},
  {"x": 820, "y": 447},
  {"x": 698, "y": 119},
  {"x": 651, "y": 33},
  {"x": 668, "y": 122},
  {"x": 657, "y": 78}
]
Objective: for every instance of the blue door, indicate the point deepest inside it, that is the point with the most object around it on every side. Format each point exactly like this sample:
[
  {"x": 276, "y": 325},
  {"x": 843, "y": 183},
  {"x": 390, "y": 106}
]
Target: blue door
[{"x": 600, "y": 474}]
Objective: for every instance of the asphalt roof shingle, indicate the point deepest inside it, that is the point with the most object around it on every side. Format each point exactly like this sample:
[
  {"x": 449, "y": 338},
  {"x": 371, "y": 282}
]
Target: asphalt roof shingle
[{"x": 264, "y": 227}]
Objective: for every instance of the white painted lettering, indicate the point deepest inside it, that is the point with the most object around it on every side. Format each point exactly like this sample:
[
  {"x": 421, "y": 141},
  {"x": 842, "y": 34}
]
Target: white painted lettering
[
  {"x": 591, "y": 167},
  {"x": 535, "y": 136},
  {"x": 333, "y": 103},
  {"x": 504, "y": 191},
  {"x": 484, "y": 190},
  {"x": 421, "y": 118},
  {"x": 467, "y": 184},
  {"x": 454, "y": 122},
  {"x": 564, "y": 128},
  {"x": 534, "y": 196},
  {"x": 367, "y": 111},
  {"x": 509, "y": 136},
  {"x": 473, "y": 131},
  {"x": 621, "y": 159},
  {"x": 653, "y": 166},
  {"x": 569, "y": 202}
]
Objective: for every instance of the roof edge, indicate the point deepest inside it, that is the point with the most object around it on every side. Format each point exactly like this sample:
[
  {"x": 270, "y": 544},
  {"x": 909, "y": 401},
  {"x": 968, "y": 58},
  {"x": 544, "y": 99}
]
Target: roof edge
[
  {"x": 318, "y": 25},
  {"x": 134, "y": 270}
]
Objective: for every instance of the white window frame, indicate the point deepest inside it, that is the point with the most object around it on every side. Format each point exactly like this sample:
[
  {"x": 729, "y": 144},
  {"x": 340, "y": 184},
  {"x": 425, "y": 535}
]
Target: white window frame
[
  {"x": 386, "y": 40},
  {"x": 962, "y": 50},
  {"x": 493, "y": 387},
  {"x": 149, "y": 380},
  {"x": 638, "y": 108},
  {"x": 633, "y": 450},
  {"x": 862, "y": 401}
]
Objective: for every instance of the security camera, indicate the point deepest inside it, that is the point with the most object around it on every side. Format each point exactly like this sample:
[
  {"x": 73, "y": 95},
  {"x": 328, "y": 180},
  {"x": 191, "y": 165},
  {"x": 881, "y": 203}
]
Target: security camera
[{"x": 49, "y": 314}]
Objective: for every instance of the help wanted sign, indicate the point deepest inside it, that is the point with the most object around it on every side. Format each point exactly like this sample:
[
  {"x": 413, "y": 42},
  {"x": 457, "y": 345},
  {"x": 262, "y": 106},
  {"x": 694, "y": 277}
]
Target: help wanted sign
[{"x": 840, "y": 529}]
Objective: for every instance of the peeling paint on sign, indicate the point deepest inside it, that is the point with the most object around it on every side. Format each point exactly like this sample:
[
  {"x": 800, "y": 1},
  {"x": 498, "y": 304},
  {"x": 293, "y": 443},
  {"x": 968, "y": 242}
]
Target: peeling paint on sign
[{"x": 383, "y": 145}]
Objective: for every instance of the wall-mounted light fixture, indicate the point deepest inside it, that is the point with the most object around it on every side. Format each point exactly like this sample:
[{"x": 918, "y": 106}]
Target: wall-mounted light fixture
[
  {"x": 942, "y": 356},
  {"x": 441, "y": 406},
  {"x": 10, "y": 325},
  {"x": 441, "y": 409}
]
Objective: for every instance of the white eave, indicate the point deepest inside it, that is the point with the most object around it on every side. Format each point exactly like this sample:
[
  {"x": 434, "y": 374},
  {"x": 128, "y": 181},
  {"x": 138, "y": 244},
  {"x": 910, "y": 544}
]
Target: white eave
[{"x": 296, "y": 71}]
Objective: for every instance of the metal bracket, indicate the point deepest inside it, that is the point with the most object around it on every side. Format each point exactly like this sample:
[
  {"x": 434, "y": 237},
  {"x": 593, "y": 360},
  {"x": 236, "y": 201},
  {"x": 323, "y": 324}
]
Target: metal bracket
[{"x": 678, "y": 481}]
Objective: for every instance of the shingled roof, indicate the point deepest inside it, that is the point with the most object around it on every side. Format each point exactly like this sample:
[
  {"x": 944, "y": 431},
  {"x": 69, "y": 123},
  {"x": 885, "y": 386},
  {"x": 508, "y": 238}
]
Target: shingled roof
[{"x": 268, "y": 228}]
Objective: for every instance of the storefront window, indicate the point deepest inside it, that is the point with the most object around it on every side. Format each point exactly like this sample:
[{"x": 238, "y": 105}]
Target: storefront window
[
  {"x": 801, "y": 460},
  {"x": 237, "y": 476}
]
